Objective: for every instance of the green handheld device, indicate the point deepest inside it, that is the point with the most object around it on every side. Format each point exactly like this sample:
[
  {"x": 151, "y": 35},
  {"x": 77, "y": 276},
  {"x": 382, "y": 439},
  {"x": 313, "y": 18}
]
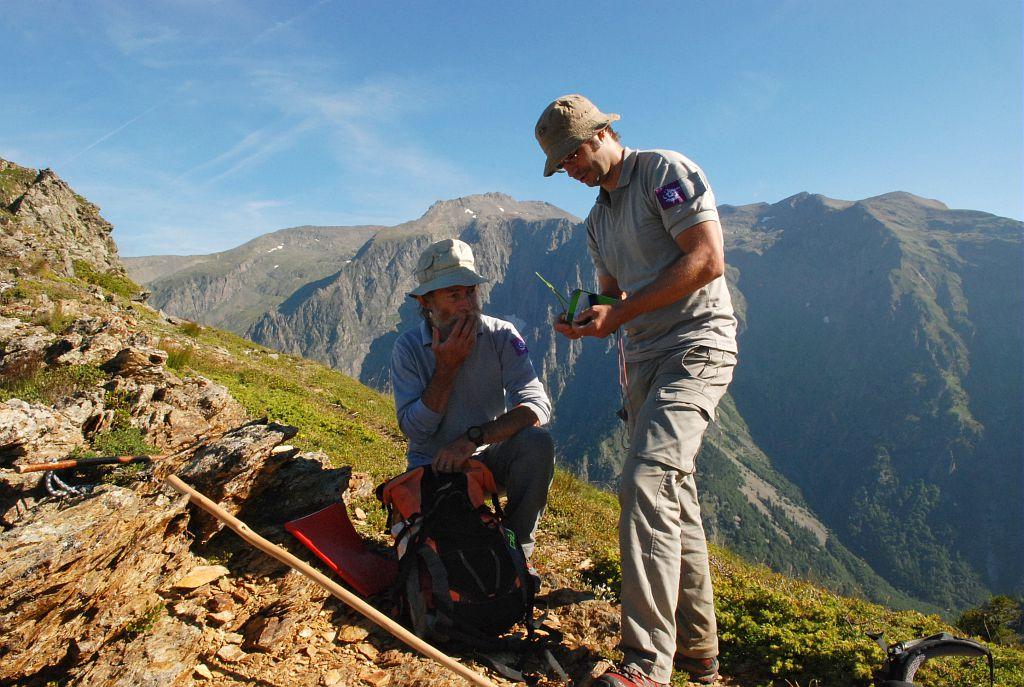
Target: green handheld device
[
  {"x": 581, "y": 300},
  {"x": 578, "y": 300}
]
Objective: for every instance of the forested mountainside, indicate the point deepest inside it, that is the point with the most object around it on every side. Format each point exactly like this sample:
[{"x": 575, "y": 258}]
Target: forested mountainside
[{"x": 883, "y": 344}]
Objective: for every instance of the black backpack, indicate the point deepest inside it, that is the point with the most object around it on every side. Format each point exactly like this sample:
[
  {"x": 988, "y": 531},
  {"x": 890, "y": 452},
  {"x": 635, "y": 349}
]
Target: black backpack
[{"x": 461, "y": 574}]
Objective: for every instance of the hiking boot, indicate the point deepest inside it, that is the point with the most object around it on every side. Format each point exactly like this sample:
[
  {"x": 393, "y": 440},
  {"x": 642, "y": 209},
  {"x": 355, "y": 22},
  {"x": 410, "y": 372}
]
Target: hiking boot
[
  {"x": 701, "y": 670},
  {"x": 625, "y": 676}
]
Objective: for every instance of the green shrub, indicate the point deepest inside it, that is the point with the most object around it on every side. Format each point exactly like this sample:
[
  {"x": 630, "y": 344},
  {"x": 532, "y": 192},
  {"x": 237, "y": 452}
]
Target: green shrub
[
  {"x": 31, "y": 381},
  {"x": 16, "y": 294},
  {"x": 55, "y": 321},
  {"x": 20, "y": 373},
  {"x": 122, "y": 441},
  {"x": 145, "y": 622},
  {"x": 38, "y": 266},
  {"x": 178, "y": 357},
  {"x": 190, "y": 329},
  {"x": 112, "y": 281},
  {"x": 605, "y": 573},
  {"x": 998, "y": 620}
]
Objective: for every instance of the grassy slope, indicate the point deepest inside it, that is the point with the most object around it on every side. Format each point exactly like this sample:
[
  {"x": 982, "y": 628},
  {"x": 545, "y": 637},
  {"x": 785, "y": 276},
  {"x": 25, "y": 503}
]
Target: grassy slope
[{"x": 772, "y": 627}]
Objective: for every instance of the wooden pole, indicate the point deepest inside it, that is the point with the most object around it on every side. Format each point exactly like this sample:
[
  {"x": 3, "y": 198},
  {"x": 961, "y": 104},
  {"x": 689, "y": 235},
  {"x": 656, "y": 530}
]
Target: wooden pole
[
  {"x": 333, "y": 587},
  {"x": 82, "y": 462}
]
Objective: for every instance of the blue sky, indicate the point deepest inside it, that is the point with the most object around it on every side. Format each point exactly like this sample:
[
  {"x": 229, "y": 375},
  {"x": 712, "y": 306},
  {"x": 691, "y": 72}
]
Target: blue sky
[{"x": 198, "y": 124}]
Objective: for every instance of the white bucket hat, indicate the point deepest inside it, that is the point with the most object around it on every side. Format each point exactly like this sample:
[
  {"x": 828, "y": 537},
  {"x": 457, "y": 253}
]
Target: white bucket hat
[{"x": 443, "y": 264}]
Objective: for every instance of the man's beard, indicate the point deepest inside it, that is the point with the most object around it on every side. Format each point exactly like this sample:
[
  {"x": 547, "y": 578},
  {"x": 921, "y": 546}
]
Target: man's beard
[{"x": 445, "y": 328}]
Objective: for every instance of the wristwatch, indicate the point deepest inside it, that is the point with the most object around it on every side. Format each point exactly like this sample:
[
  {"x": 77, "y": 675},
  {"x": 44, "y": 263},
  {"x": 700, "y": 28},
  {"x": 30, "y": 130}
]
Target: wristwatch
[{"x": 476, "y": 435}]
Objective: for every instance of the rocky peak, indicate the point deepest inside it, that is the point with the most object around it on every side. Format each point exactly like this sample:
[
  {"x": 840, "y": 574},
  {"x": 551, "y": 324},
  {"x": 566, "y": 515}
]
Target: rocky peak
[
  {"x": 811, "y": 200},
  {"x": 489, "y": 206},
  {"x": 43, "y": 219},
  {"x": 904, "y": 199}
]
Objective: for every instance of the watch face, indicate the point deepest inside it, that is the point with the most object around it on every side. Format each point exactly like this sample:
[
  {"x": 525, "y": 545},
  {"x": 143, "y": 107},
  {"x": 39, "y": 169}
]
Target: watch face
[{"x": 475, "y": 434}]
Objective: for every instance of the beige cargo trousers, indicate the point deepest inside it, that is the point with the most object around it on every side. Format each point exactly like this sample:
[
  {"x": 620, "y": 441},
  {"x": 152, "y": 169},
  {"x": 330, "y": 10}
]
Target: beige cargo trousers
[{"x": 667, "y": 600}]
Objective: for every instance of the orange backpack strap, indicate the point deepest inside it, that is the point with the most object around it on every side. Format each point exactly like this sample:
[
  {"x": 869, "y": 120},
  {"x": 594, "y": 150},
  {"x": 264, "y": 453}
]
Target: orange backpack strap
[
  {"x": 479, "y": 482},
  {"x": 403, "y": 493}
]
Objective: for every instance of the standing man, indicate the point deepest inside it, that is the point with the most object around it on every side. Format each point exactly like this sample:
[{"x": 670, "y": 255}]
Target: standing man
[
  {"x": 656, "y": 244},
  {"x": 464, "y": 387}
]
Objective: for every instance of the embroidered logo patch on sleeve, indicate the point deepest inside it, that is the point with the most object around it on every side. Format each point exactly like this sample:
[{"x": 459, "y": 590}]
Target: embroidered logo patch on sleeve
[
  {"x": 670, "y": 194},
  {"x": 520, "y": 346}
]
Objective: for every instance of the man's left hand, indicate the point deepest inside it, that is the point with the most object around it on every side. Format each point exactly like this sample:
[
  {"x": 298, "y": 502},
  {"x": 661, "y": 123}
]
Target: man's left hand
[
  {"x": 598, "y": 320},
  {"x": 453, "y": 457}
]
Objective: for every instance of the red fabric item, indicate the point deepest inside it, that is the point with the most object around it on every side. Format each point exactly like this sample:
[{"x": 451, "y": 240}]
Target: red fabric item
[{"x": 330, "y": 535}]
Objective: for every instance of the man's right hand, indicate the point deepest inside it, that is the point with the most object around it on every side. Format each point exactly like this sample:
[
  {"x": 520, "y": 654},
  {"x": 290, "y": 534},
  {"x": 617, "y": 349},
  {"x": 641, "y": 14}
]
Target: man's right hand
[
  {"x": 453, "y": 457},
  {"x": 453, "y": 351},
  {"x": 565, "y": 328}
]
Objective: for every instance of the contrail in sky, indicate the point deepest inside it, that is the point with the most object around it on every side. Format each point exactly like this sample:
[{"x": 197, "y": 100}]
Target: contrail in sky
[{"x": 116, "y": 131}]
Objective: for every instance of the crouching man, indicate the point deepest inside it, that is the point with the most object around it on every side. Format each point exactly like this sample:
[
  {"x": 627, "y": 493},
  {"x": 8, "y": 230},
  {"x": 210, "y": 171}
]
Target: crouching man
[{"x": 464, "y": 387}]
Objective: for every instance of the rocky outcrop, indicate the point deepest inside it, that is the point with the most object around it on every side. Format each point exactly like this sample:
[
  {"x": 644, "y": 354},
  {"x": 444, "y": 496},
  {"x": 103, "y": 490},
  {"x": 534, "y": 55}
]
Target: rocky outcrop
[
  {"x": 99, "y": 568},
  {"x": 63, "y": 600},
  {"x": 89, "y": 580},
  {"x": 45, "y": 221},
  {"x": 69, "y": 611},
  {"x": 36, "y": 430}
]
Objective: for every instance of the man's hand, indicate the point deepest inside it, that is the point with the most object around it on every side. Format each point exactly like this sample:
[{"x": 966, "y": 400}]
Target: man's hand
[
  {"x": 453, "y": 351},
  {"x": 599, "y": 320},
  {"x": 454, "y": 456},
  {"x": 564, "y": 327}
]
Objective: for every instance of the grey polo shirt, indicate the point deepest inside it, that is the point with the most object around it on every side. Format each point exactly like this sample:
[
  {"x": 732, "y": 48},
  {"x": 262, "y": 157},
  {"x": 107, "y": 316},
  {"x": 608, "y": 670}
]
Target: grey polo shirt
[
  {"x": 496, "y": 377},
  {"x": 631, "y": 235}
]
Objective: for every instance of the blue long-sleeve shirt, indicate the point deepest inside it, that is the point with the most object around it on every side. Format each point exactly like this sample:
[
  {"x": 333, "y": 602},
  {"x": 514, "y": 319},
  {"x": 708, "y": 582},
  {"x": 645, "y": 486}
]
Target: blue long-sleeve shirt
[{"x": 495, "y": 377}]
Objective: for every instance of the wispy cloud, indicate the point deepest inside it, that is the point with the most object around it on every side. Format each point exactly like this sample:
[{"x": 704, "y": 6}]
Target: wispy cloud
[
  {"x": 287, "y": 23},
  {"x": 363, "y": 131},
  {"x": 372, "y": 127},
  {"x": 150, "y": 218},
  {"x": 369, "y": 128},
  {"x": 134, "y": 39},
  {"x": 254, "y": 148}
]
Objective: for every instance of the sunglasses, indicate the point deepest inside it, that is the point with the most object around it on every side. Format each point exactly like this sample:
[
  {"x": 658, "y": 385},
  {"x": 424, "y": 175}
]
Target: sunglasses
[{"x": 571, "y": 157}]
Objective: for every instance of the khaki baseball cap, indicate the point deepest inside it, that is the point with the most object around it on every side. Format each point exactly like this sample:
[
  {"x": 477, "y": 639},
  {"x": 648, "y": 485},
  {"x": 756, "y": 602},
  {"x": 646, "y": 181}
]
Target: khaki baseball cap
[
  {"x": 443, "y": 264},
  {"x": 565, "y": 125}
]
